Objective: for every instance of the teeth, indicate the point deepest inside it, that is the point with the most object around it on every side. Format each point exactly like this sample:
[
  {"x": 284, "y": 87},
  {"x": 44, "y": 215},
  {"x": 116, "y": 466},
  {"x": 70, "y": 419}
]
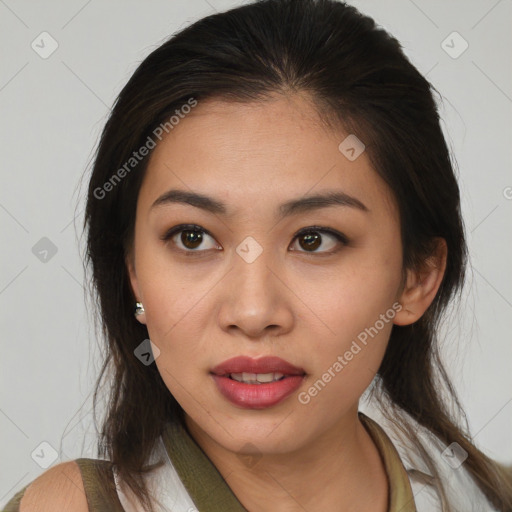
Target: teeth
[{"x": 256, "y": 378}]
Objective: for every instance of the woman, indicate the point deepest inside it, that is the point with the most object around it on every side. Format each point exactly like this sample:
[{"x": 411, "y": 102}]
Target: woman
[{"x": 274, "y": 228}]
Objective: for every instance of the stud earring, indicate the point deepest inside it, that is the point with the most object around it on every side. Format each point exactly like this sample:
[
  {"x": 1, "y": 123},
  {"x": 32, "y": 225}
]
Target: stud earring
[{"x": 139, "y": 309}]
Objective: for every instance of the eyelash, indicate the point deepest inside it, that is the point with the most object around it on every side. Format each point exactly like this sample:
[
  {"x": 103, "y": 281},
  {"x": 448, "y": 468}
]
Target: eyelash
[{"x": 340, "y": 237}]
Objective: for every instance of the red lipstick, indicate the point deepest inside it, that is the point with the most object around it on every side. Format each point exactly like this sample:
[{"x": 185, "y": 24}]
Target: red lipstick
[{"x": 257, "y": 383}]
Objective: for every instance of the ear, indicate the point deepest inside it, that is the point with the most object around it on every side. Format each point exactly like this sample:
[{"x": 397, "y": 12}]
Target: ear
[
  {"x": 421, "y": 285},
  {"x": 134, "y": 284}
]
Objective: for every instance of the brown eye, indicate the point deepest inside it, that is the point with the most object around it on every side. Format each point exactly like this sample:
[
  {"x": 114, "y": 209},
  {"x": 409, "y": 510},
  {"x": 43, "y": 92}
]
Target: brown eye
[
  {"x": 312, "y": 239},
  {"x": 191, "y": 239}
]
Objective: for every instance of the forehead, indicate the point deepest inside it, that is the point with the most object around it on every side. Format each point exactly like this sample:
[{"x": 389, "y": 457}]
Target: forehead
[{"x": 257, "y": 153}]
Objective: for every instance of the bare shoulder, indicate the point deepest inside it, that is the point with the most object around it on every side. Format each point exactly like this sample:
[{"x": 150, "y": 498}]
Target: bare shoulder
[{"x": 58, "y": 489}]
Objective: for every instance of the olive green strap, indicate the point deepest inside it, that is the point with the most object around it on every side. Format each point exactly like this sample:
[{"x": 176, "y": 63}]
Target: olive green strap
[
  {"x": 210, "y": 492},
  {"x": 203, "y": 482},
  {"x": 401, "y": 498},
  {"x": 206, "y": 486},
  {"x": 13, "y": 505},
  {"x": 99, "y": 485}
]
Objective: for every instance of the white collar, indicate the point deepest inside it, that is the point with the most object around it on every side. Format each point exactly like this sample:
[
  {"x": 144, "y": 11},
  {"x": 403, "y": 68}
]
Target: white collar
[
  {"x": 461, "y": 489},
  {"x": 169, "y": 493}
]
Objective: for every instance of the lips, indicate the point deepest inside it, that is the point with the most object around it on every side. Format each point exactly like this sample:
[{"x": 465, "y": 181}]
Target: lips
[
  {"x": 244, "y": 392},
  {"x": 244, "y": 364}
]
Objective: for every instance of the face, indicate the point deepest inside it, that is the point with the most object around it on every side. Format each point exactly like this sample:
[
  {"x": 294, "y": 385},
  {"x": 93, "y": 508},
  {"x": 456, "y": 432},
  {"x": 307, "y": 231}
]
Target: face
[{"x": 303, "y": 284}]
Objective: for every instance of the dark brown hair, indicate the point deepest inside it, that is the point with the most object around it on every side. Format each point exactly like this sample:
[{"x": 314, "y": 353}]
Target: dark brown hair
[{"x": 359, "y": 78}]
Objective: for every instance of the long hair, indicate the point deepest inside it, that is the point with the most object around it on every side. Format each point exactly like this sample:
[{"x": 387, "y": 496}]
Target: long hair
[{"x": 359, "y": 79}]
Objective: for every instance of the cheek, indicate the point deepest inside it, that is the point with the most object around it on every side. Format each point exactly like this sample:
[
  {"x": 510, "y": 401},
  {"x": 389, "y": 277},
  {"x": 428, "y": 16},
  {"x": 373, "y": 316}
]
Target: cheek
[
  {"x": 345, "y": 363},
  {"x": 172, "y": 292},
  {"x": 355, "y": 306},
  {"x": 178, "y": 304},
  {"x": 177, "y": 319},
  {"x": 355, "y": 296}
]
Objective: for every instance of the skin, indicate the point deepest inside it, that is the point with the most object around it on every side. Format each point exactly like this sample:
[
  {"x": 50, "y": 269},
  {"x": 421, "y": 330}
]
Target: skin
[{"x": 305, "y": 307}]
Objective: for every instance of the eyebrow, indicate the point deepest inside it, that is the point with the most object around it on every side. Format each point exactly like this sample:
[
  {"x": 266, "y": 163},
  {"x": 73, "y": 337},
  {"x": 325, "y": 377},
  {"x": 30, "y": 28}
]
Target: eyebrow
[{"x": 293, "y": 207}]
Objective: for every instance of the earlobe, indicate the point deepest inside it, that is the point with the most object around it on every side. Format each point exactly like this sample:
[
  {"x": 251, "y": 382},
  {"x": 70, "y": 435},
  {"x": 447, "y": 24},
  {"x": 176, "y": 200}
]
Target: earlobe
[
  {"x": 421, "y": 286},
  {"x": 140, "y": 312}
]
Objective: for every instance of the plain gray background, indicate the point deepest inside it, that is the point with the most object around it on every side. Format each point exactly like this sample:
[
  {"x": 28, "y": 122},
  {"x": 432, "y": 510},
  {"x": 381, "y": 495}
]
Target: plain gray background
[{"x": 53, "y": 110}]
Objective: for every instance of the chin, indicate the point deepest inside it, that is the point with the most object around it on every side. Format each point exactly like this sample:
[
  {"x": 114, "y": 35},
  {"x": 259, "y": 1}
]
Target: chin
[{"x": 263, "y": 435}]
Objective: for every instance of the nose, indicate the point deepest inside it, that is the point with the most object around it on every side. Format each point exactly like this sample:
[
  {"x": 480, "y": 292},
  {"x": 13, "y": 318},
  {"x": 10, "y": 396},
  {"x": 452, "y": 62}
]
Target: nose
[{"x": 256, "y": 300}]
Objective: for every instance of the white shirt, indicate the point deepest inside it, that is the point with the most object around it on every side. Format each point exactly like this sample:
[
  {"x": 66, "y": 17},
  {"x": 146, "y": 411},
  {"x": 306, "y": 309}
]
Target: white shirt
[
  {"x": 170, "y": 495},
  {"x": 463, "y": 493}
]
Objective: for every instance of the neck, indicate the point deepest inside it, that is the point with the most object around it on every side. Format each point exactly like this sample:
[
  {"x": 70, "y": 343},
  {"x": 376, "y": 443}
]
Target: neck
[{"x": 339, "y": 471}]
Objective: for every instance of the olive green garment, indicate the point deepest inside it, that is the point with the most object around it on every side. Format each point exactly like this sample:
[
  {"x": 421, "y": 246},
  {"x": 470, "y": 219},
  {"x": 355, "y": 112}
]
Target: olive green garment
[
  {"x": 96, "y": 487},
  {"x": 205, "y": 484}
]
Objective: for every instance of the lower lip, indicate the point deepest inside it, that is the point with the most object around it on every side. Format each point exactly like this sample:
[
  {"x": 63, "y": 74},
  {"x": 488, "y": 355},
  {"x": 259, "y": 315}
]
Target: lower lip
[{"x": 257, "y": 396}]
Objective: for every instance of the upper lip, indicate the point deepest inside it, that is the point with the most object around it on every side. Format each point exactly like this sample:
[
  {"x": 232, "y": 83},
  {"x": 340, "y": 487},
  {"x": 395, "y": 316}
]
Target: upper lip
[{"x": 245, "y": 364}]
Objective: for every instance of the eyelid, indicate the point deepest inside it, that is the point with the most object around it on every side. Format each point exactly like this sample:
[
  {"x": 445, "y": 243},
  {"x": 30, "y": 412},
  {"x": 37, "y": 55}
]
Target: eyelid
[
  {"x": 183, "y": 227},
  {"x": 323, "y": 229}
]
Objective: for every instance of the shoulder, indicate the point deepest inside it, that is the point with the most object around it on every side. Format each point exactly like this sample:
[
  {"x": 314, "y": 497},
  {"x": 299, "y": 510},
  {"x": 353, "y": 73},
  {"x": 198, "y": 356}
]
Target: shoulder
[{"x": 58, "y": 489}]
